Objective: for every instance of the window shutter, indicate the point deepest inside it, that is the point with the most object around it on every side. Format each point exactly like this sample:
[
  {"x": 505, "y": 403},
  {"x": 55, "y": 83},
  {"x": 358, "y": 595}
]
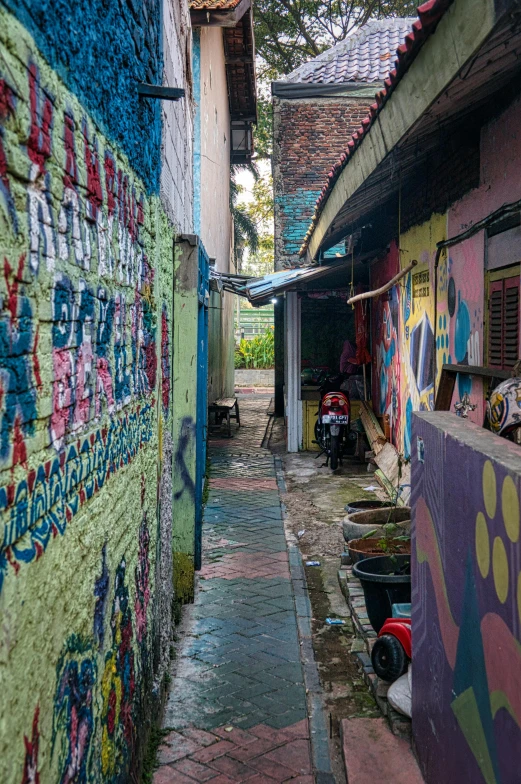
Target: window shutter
[
  {"x": 511, "y": 323},
  {"x": 503, "y": 339},
  {"x": 495, "y": 338}
]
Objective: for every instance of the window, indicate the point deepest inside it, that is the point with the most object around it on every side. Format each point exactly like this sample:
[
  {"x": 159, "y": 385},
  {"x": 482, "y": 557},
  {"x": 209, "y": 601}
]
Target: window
[{"x": 503, "y": 319}]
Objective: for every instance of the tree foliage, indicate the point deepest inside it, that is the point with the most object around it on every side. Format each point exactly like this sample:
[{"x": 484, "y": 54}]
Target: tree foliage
[{"x": 245, "y": 231}]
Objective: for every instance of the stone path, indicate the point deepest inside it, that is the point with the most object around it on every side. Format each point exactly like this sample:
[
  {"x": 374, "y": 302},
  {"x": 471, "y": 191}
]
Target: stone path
[{"x": 237, "y": 707}]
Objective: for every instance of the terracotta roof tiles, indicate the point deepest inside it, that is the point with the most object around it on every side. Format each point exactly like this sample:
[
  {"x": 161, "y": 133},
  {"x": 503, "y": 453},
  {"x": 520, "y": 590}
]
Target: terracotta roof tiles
[{"x": 213, "y": 5}]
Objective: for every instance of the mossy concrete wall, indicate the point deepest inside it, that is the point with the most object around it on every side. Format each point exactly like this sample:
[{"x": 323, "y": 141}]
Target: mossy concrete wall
[{"x": 87, "y": 432}]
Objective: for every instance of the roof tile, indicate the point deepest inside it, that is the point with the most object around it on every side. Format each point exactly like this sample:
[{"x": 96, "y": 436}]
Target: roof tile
[
  {"x": 365, "y": 56},
  {"x": 213, "y": 5}
]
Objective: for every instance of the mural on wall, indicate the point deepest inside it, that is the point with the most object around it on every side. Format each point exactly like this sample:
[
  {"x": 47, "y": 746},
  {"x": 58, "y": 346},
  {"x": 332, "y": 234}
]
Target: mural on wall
[
  {"x": 403, "y": 332},
  {"x": 465, "y": 302},
  {"x": 386, "y": 331},
  {"x": 467, "y": 616},
  {"x": 31, "y": 774},
  {"x": 80, "y": 369},
  {"x": 103, "y": 340}
]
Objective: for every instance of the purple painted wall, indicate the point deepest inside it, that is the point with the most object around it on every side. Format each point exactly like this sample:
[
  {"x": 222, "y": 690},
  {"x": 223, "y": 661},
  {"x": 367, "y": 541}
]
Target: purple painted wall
[{"x": 466, "y": 602}]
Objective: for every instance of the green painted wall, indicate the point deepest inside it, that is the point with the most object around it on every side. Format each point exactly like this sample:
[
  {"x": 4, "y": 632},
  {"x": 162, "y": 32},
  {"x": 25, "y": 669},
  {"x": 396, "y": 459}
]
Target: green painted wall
[
  {"x": 184, "y": 405},
  {"x": 87, "y": 435}
]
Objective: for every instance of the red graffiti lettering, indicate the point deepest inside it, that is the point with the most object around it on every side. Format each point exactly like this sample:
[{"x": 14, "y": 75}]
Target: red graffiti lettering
[{"x": 39, "y": 142}]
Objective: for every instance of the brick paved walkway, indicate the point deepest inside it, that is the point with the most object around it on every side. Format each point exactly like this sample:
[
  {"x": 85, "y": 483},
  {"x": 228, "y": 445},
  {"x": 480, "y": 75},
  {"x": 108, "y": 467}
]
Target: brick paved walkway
[{"x": 237, "y": 707}]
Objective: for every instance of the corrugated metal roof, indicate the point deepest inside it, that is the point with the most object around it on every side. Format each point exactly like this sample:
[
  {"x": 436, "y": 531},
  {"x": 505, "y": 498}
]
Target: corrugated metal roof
[
  {"x": 365, "y": 56},
  {"x": 278, "y": 282}
]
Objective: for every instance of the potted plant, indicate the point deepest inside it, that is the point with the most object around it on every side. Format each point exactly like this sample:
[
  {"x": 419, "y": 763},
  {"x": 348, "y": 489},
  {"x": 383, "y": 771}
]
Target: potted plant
[{"x": 391, "y": 539}]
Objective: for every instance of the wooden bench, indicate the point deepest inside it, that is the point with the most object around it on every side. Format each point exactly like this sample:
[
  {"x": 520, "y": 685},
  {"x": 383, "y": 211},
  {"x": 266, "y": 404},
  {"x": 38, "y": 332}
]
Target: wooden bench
[{"x": 226, "y": 408}]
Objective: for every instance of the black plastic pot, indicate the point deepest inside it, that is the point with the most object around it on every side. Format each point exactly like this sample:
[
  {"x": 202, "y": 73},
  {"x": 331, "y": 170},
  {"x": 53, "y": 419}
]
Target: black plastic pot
[
  {"x": 364, "y": 506},
  {"x": 386, "y": 580}
]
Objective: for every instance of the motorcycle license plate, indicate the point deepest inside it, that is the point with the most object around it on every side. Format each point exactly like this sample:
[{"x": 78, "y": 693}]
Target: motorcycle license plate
[{"x": 332, "y": 419}]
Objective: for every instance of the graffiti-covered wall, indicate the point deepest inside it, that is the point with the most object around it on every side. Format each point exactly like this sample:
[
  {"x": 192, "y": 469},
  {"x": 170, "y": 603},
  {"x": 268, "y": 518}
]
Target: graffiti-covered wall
[
  {"x": 86, "y": 304},
  {"x": 466, "y": 602},
  {"x": 407, "y": 334},
  {"x": 404, "y": 331}
]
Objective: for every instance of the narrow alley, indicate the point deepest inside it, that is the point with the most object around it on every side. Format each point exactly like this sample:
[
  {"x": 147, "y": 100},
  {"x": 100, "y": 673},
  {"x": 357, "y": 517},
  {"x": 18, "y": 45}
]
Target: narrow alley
[
  {"x": 238, "y": 700},
  {"x": 260, "y": 392}
]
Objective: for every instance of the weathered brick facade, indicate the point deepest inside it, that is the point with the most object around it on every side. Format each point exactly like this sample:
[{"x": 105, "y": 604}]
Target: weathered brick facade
[{"x": 309, "y": 136}]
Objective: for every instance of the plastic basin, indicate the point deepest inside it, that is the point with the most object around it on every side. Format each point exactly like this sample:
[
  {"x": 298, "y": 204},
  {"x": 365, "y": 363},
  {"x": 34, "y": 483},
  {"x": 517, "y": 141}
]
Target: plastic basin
[{"x": 386, "y": 580}]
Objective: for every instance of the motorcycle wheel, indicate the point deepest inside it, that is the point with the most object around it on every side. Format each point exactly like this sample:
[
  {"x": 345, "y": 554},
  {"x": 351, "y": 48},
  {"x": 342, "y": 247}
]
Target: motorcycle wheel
[{"x": 334, "y": 453}]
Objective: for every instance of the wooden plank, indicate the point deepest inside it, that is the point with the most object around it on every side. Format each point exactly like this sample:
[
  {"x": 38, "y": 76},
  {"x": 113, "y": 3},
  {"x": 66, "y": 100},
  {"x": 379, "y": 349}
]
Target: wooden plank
[
  {"x": 225, "y": 402},
  {"x": 478, "y": 370},
  {"x": 372, "y": 428},
  {"x": 448, "y": 381},
  {"x": 445, "y": 390}
]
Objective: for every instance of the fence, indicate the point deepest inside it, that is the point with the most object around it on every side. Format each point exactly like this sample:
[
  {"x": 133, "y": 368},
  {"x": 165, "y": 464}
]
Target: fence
[{"x": 250, "y": 322}]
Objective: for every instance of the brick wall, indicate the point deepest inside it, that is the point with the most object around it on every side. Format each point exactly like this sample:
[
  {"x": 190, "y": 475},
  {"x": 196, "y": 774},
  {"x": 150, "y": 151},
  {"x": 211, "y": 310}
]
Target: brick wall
[
  {"x": 86, "y": 383},
  {"x": 309, "y": 137}
]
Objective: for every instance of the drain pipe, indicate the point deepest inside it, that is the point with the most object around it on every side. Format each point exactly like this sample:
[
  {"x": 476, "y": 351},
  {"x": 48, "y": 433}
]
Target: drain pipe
[{"x": 504, "y": 211}]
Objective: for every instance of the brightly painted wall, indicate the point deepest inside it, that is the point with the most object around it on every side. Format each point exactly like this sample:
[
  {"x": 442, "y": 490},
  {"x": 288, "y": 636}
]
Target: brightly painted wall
[
  {"x": 466, "y": 602},
  {"x": 406, "y": 331},
  {"x": 86, "y": 309},
  {"x": 465, "y": 280},
  {"x": 403, "y": 331}
]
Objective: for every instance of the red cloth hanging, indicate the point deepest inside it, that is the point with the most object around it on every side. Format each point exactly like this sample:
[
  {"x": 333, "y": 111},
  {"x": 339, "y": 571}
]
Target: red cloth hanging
[{"x": 363, "y": 356}]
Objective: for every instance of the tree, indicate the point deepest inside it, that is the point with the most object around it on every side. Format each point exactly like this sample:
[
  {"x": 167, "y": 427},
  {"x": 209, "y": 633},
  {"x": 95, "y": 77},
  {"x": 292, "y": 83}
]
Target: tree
[{"x": 245, "y": 232}]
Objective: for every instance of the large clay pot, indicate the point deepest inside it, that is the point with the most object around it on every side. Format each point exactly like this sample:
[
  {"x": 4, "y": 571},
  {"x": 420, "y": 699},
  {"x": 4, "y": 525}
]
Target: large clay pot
[
  {"x": 359, "y": 524},
  {"x": 366, "y": 504}
]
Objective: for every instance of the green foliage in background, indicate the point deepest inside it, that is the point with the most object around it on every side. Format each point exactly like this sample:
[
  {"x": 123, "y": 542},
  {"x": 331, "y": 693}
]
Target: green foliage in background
[{"x": 258, "y": 353}]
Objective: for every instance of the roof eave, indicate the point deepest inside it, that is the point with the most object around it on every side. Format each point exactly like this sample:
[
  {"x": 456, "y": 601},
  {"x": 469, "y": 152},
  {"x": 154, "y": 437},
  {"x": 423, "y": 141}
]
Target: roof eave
[
  {"x": 240, "y": 71},
  {"x": 219, "y": 17},
  {"x": 431, "y": 72},
  {"x": 289, "y": 90}
]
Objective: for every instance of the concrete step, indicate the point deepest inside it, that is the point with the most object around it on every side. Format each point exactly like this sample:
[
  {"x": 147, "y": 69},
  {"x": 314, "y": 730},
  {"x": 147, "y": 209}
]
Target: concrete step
[{"x": 373, "y": 755}]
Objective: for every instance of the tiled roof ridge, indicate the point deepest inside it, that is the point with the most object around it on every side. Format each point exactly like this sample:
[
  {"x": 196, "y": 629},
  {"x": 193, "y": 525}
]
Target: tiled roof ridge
[
  {"x": 353, "y": 41},
  {"x": 429, "y": 14}
]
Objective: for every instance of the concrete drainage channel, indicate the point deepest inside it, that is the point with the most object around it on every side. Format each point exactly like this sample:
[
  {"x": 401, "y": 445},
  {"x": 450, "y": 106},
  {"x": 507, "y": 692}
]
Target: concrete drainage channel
[
  {"x": 319, "y": 732},
  {"x": 352, "y": 724}
]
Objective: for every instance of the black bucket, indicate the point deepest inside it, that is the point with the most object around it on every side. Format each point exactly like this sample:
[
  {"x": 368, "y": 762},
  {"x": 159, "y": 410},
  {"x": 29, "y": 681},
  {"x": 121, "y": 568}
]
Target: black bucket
[
  {"x": 365, "y": 506},
  {"x": 386, "y": 580}
]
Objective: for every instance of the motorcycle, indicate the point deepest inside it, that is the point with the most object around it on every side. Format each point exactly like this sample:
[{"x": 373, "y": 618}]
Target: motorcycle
[{"x": 332, "y": 425}]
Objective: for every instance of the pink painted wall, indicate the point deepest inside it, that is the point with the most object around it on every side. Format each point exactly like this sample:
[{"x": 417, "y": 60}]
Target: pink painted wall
[{"x": 500, "y": 184}]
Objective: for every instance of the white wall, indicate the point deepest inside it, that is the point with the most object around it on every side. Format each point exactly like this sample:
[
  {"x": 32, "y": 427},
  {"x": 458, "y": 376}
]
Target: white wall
[
  {"x": 215, "y": 149},
  {"x": 178, "y": 116}
]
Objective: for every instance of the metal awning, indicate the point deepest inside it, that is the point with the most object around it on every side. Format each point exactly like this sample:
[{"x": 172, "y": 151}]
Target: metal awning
[{"x": 261, "y": 290}]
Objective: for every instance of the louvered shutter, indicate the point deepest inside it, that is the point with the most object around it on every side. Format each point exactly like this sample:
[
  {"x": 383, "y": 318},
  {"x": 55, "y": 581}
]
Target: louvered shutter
[{"x": 503, "y": 339}]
